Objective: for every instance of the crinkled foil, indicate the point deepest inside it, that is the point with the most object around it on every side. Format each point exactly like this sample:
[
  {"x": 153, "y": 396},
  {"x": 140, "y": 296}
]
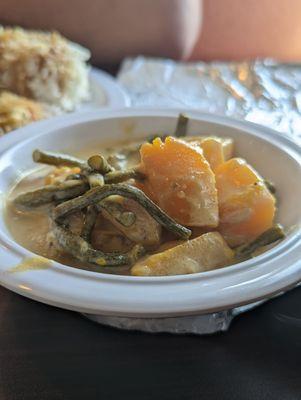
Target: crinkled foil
[
  {"x": 265, "y": 92},
  {"x": 204, "y": 324}
]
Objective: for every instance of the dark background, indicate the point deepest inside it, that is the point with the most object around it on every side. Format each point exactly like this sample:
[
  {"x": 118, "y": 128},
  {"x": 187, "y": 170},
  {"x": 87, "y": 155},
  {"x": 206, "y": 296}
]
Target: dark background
[{"x": 48, "y": 353}]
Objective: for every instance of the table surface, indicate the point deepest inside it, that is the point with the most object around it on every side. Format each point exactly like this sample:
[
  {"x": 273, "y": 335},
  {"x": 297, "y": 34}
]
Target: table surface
[
  {"x": 48, "y": 353},
  {"x": 52, "y": 354}
]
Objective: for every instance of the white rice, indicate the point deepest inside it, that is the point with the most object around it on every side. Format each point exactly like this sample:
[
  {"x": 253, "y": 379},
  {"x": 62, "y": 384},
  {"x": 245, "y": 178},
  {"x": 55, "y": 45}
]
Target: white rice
[{"x": 45, "y": 67}]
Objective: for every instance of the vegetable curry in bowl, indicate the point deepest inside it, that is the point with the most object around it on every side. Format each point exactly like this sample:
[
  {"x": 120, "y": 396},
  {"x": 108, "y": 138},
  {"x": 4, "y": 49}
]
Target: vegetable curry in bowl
[{"x": 170, "y": 205}]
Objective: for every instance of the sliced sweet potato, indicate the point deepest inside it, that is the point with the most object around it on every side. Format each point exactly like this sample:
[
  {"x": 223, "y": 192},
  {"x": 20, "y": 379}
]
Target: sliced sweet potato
[
  {"x": 206, "y": 252},
  {"x": 213, "y": 152},
  {"x": 180, "y": 181},
  {"x": 216, "y": 149},
  {"x": 246, "y": 207}
]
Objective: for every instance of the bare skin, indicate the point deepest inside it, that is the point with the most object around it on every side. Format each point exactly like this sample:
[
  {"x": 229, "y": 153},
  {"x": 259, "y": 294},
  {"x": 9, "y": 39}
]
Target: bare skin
[
  {"x": 114, "y": 29},
  {"x": 247, "y": 29}
]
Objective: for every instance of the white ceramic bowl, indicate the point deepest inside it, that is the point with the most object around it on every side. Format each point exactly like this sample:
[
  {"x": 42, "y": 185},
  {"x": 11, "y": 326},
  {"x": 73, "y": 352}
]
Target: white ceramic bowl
[{"x": 276, "y": 157}]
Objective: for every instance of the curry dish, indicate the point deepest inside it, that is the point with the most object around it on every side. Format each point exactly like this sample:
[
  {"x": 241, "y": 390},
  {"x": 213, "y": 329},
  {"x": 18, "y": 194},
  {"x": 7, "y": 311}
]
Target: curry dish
[{"x": 169, "y": 205}]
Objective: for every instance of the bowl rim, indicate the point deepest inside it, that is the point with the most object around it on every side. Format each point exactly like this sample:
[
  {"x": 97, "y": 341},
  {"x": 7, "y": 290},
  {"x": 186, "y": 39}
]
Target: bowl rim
[{"x": 283, "y": 142}]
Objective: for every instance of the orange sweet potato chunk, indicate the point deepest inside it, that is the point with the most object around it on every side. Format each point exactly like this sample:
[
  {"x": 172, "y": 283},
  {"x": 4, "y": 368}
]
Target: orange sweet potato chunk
[
  {"x": 216, "y": 150},
  {"x": 213, "y": 152},
  {"x": 180, "y": 181},
  {"x": 246, "y": 207}
]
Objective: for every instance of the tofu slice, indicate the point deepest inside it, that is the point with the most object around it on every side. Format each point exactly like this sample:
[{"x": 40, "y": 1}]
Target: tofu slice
[
  {"x": 144, "y": 229},
  {"x": 228, "y": 148},
  {"x": 206, "y": 252}
]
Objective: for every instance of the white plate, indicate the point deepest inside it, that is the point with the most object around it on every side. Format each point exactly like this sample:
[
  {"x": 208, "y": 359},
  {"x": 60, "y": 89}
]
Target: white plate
[
  {"x": 276, "y": 157},
  {"x": 106, "y": 92}
]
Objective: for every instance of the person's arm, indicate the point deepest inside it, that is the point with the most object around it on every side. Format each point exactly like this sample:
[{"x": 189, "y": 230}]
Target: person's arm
[
  {"x": 114, "y": 29},
  {"x": 247, "y": 29}
]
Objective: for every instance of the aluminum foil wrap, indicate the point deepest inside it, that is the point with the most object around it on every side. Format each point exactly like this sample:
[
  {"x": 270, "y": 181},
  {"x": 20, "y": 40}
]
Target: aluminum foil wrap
[
  {"x": 192, "y": 324},
  {"x": 264, "y": 92}
]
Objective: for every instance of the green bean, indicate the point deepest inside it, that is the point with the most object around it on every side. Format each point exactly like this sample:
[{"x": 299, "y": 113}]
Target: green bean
[
  {"x": 117, "y": 160},
  {"x": 89, "y": 222},
  {"x": 95, "y": 180},
  {"x": 270, "y": 186},
  {"x": 121, "y": 176},
  {"x": 117, "y": 211},
  {"x": 56, "y": 159},
  {"x": 47, "y": 194},
  {"x": 151, "y": 138},
  {"x": 76, "y": 177},
  {"x": 270, "y": 236},
  {"x": 100, "y": 164},
  {"x": 96, "y": 195},
  {"x": 83, "y": 251},
  {"x": 180, "y": 131},
  {"x": 127, "y": 218},
  {"x": 181, "y": 128}
]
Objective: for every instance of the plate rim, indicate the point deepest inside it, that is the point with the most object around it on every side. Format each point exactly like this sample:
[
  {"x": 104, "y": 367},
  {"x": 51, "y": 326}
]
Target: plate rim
[{"x": 115, "y": 93}]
